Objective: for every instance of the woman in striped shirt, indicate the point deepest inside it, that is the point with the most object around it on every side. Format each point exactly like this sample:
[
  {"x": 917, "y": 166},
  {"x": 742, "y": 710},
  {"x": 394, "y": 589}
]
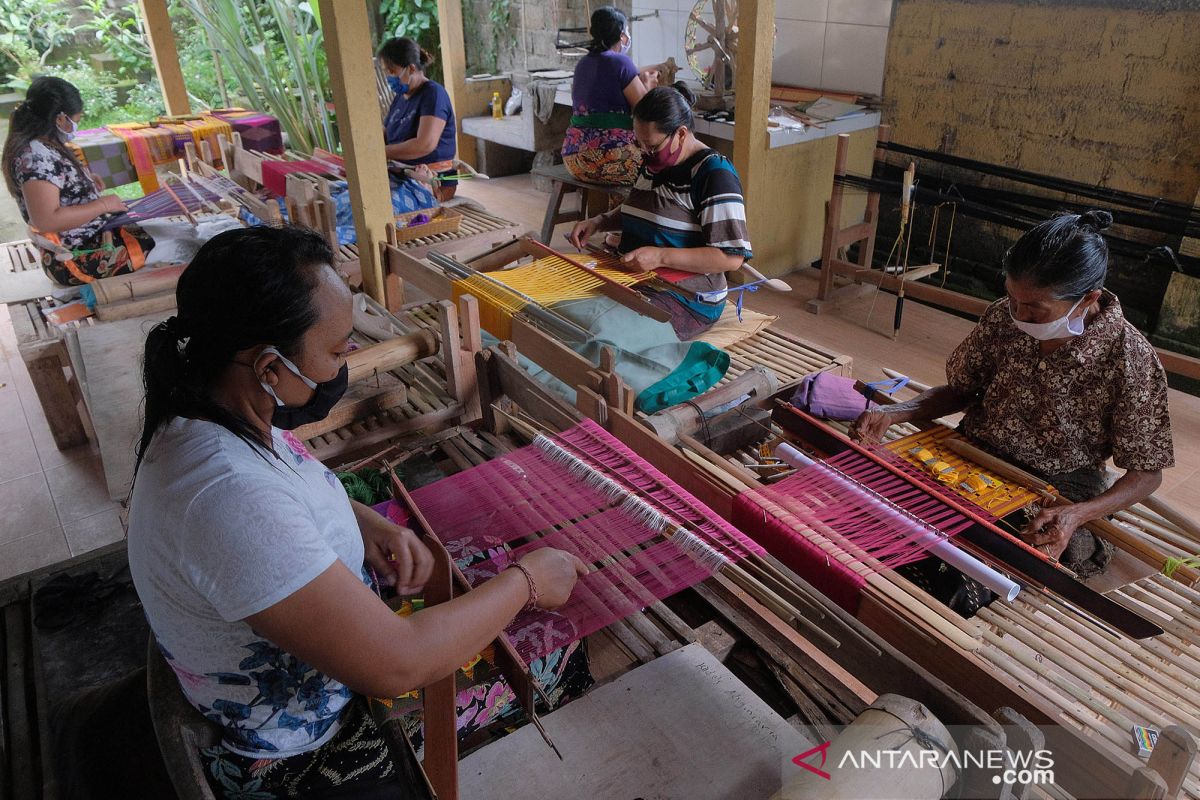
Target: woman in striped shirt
[{"x": 685, "y": 218}]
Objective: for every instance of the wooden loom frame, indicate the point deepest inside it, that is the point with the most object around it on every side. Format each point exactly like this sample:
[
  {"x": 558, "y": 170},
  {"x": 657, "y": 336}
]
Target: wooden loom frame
[
  {"x": 564, "y": 363},
  {"x": 1102, "y": 765},
  {"x": 602, "y": 397},
  {"x": 498, "y": 380},
  {"x": 833, "y": 267}
]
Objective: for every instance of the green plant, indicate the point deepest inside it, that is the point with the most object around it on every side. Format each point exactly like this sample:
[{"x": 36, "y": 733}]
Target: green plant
[
  {"x": 274, "y": 52},
  {"x": 417, "y": 20},
  {"x": 38, "y": 25},
  {"x": 119, "y": 31},
  {"x": 99, "y": 91}
]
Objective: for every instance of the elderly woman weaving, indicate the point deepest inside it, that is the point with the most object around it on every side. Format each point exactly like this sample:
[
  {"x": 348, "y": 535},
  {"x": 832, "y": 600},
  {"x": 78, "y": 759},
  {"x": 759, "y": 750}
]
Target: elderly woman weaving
[{"x": 1056, "y": 380}]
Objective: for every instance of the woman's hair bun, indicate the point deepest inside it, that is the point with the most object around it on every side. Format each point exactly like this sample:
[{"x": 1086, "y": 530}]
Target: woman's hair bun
[
  {"x": 1096, "y": 219},
  {"x": 688, "y": 95},
  {"x": 427, "y": 58}
]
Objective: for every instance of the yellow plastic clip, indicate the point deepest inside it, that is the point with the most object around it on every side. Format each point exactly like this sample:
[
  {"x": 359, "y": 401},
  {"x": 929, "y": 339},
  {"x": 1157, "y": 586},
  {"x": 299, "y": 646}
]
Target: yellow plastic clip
[
  {"x": 978, "y": 482},
  {"x": 923, "y": 455}
]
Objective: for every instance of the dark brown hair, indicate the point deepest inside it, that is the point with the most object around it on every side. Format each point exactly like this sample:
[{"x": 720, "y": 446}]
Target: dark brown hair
[
  {"x": 404, "y": 52},
  {"x": 37, "y": 118}
]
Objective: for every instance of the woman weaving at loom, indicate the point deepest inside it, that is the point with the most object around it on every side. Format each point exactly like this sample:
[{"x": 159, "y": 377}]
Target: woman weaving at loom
[
  {"x": 253, "y": 565},
  {"x": 1055, "y": 380},
  {"x": 58, "y": 197},
  {"x": 600, "y": 146},
  {"x": 419, "y": 126},
  {"x": 684, "y": 219}
]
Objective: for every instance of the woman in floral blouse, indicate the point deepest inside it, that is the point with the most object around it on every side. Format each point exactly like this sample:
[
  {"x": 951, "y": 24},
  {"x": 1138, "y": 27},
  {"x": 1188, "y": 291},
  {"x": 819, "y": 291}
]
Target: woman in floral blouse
[
  {"x": 59, "y": 197},
  {"x": 1056, "y": 380}
]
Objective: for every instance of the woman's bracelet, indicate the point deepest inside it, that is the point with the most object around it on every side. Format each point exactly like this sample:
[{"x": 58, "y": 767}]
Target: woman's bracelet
[{"x": 531, "y": 603}]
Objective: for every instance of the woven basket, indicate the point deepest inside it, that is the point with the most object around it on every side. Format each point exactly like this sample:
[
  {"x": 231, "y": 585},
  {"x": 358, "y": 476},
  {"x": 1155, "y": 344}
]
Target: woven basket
[{"x": 441, "y": 220}]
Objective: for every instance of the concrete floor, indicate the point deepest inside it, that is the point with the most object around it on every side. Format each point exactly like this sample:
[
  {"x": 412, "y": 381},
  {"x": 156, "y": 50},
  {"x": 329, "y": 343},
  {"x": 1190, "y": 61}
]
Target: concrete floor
[{"x": 55, "y": 503}]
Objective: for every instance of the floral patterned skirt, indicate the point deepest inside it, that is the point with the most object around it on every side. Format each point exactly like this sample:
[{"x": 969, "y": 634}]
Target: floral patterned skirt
[
  {"x": 357, "y": 756},
  {"x": 114, "y": 252},
  {"x": 608, "y": 156}
]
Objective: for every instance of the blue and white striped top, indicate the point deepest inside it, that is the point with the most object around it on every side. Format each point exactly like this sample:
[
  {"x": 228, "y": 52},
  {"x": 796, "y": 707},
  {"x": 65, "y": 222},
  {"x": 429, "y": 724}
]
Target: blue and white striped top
[{"x": 696, "y": 203}]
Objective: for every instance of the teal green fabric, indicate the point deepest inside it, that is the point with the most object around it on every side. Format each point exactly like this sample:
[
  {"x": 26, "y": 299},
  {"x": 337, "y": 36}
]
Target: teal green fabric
[
  {"x": 648, "y": 352},
  {"x": 702, "y": 367}
]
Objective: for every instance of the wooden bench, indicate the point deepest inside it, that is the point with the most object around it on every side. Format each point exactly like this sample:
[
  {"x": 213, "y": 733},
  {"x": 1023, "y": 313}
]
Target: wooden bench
[
  {"x": 564, "y": 183},
  {"x": 21, "y": 275},
  {"x": 43, "y": 348}
]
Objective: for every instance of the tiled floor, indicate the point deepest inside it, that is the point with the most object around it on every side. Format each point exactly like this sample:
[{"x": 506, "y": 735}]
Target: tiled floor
[{"x": 54, "y": 504}]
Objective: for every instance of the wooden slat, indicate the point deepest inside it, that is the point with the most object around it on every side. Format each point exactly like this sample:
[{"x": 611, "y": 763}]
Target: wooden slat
[
  {"x": 551, "y": 355},
  {"x": 21, "y": 722}
]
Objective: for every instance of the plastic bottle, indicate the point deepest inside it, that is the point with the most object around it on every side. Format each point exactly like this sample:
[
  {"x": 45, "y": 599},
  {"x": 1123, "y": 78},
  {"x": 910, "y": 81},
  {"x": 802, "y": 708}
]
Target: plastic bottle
[{"x": 497, "y": 106}]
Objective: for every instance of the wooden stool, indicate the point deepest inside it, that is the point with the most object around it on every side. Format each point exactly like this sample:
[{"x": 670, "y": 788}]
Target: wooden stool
[
  {"x": 180, "y": 729},
  {"x": 44, "y": 351},
  {"x": 565, "y": 183}
]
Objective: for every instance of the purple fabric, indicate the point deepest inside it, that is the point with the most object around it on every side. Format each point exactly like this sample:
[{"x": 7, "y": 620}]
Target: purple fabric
[
  {"x": 600, "y": 81},
  {"x": 830, "y": 396}
]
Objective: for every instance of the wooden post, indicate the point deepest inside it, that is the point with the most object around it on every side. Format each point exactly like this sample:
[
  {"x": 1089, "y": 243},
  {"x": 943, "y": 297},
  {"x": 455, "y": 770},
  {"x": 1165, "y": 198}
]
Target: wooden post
[
  {"x": 166, "y": 58},
  {"x": 751, "y": 144},
  {"x": 352, "y": 74},
  {"x": 454, "y": 70}
]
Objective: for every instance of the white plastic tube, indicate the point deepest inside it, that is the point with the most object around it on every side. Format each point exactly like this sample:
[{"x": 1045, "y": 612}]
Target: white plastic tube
[{"x": 935, "y": 545}]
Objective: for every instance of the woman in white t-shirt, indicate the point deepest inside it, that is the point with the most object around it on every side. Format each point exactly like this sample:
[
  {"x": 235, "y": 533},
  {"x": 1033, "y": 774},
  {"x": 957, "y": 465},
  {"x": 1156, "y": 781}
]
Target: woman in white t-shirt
[{"x": 249, "y": 558}]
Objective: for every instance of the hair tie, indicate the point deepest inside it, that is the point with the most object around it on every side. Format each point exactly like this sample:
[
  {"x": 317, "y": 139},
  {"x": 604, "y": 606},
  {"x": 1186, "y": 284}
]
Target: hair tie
[{"x": 178, "y": 329}]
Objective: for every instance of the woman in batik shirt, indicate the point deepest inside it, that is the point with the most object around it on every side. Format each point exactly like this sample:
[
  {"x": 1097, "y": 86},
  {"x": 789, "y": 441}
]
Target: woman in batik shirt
[{"x": 1055, "y": 379}]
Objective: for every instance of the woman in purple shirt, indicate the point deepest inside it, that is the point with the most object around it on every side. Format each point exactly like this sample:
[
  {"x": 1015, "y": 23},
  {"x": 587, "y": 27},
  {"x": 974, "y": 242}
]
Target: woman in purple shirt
[{"x": 599, "y": 146}]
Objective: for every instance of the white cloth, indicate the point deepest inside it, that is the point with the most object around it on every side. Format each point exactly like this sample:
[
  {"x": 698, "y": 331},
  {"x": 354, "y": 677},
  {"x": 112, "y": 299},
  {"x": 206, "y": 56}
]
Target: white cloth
[
  {"x": 176, "y": 241},
  {"x": 218, "y": 531}
]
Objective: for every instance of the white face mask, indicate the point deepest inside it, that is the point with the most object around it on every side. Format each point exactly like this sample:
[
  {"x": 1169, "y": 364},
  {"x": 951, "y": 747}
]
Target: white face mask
[
  {"x": 627, "y": 44},
  {"x": 1061, "y": 328},
  {"x": 67, "y": 136}
]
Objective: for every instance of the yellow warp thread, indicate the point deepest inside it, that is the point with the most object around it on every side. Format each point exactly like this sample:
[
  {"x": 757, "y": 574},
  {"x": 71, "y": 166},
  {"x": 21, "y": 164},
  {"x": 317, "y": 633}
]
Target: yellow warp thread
[{"x": 547, "y": 280}]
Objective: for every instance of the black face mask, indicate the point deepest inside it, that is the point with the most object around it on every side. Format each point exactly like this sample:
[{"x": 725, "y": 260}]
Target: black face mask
[{"x": 325, "y": 397}]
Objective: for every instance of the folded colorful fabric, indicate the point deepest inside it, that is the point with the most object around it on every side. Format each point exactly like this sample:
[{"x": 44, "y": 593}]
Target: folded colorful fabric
[
  {"x": 148, "y": 147},
  {"x": 259, "y": 131},
  {"x": 106, "y": 155}
]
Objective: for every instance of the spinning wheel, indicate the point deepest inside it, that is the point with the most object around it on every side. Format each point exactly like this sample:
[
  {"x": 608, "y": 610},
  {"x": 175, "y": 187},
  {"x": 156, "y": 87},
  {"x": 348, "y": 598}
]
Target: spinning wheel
[{"x": 721, "y": 40}]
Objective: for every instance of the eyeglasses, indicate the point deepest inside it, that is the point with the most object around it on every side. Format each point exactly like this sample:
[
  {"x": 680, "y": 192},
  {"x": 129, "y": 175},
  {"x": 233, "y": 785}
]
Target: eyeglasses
[{"x": 652, "y": 150}]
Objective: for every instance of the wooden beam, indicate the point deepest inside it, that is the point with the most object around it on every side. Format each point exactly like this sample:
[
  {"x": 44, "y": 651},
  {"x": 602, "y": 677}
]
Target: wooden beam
[
  {"x": 348, "y": 47},
  {"x": 161, "y": 39},
  {"x": 751, "y": 142},
  {"x": 454, "y": 69}
]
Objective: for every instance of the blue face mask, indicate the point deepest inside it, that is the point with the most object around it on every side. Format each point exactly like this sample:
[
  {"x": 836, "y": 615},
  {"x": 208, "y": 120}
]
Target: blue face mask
[{"x": 397, "y": 86}]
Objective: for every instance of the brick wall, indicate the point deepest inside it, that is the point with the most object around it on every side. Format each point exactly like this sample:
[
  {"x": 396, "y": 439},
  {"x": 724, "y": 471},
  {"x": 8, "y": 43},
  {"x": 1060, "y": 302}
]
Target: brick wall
[
  {"x": 1106, "y": 93},
  {"x": 529, "y": 41}
]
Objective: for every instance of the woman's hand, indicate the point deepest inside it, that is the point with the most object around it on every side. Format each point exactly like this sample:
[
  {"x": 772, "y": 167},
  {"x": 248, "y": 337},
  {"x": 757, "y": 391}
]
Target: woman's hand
[
  {"x": 112, "y": 204},
  {"x": 644, "y": 259},
  {"x": 555, "y": 572},
  {"x": 423, "y": 173},
  {"x": 1051, "y": 530},
  {"x": 583, "y": 231},
  {"x": 398, "y": 555},
  {"x": 650, "y": 77},
  {"x": 871, "y": 425}
]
